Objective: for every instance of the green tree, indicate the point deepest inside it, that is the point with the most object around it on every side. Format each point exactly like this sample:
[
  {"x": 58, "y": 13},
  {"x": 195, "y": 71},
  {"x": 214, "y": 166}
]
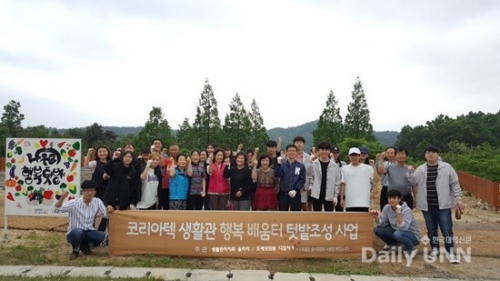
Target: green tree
[
  {"x": 414, "y": 140},
  {"x": 330, "y": 127},
  {"x": 93, "y": 136},
  {"x": 12, "y": 118},
  {"x": 122, "y": 140},
  {"x": 156, "y": 127},
  {"x": 236, "y": 128},
  {"x": 39, "y": 131},
  {"x": 54, "y": 133},
  {"x": 258, "y": 132},
  {"x": 185, "y": 136},
  {"x": 207, "y": 125},
  {"x": 373, "y": 145},
  {"x": 357, "y": 121},
  {"x": 74, "y": 133}
]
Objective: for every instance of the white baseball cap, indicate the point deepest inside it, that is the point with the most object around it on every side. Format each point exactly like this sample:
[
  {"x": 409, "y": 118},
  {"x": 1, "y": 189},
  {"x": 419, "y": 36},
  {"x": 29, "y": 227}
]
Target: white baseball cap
[{"x": 354, "y": 150}]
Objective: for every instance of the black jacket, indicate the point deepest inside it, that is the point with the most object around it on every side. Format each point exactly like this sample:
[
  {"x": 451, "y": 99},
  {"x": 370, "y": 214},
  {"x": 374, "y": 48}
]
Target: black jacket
[
  {"x": 241, "y": 180},
  {"x": 122, "y": 189}
]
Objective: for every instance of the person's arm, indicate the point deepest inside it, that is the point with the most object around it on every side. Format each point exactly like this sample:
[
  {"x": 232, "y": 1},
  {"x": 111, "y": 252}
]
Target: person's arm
[
  {"x": 88, "y": 157},
  {"x": 336, "y": 185},
  {"x": 250, "y": 185},
  {"x": 374, "y": 178},
  {"x": 404, "y": 217},
  {"x": 280, "y": 141},
  {"x": 135, "y": 190},
  {"x": 228, "y": 172},
  {"x": 144, "y": 174},
  {"x": 102, "y": 209},
  {"x": 375, "y": 215},
  {"x": 342, "y": 193},
  {"x": 203, "y": 187},
  {"x": 109, "y": 170},
  {"x": 209, "y": 166},
  {"x": 254, "y": 170},
  {"x": 380, "y": 165},
  {"x": 411, "y": 176},
  {"x": 276, "y": 184},
  {"x": 91, "y": 165},
  {"x": 171, "y": 172},
  {"x": 59, "y": 202},
  {"x": 278, "y": 172},
  {"x": 455, "y": 189},
  {"x": 383, "y": 219},
  {"x": 189, "y": 169},
  {"x": 255, "y": 157},
  {"x": 310, "y": 174}
]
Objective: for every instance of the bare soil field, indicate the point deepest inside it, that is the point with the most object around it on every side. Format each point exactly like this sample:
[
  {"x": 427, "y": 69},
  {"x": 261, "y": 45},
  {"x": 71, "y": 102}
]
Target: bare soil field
[{"x": 478, "y": 230}]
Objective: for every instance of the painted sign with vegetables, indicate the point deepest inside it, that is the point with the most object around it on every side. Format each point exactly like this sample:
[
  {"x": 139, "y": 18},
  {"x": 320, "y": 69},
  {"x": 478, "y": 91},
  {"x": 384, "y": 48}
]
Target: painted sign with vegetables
[{"x": 37, "y": 172}]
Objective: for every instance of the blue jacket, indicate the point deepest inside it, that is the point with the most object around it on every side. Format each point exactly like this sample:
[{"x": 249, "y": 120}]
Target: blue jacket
[
  {"x": 179, "y": 185},
  {"x": 292, "y": 176}
]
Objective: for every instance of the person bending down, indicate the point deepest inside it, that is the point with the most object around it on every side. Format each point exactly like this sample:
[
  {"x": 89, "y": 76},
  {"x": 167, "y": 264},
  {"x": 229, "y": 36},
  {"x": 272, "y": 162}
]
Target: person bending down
[
  {"x": 82, "y": 211},
  {"x": 396, "y": 224}
]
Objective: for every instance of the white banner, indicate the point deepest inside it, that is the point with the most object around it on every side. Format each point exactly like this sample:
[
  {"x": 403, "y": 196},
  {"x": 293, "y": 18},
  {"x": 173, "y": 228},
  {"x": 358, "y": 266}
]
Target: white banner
[{"x": 37, "y": 171}]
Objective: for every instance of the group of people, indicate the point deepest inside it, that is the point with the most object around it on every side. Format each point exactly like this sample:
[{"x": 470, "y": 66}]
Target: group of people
[
  {"x": 433, "y": 188},
  {"x": 220, "y": 179}
]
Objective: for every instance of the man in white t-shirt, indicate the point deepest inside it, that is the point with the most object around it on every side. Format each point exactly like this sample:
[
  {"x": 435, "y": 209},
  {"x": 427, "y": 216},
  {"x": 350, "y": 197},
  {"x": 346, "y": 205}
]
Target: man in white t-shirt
[{"x": 356, "y": 183}]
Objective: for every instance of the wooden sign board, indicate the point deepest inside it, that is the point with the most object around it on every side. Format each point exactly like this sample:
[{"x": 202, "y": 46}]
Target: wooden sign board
[{"x": 237, "y": 234}]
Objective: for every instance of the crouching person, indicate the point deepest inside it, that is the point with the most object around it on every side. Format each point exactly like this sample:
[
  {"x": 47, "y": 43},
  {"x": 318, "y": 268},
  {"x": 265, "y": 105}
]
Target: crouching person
[
  {"x": 82, "y": 212},
  {"x": 396, "y": 224}
]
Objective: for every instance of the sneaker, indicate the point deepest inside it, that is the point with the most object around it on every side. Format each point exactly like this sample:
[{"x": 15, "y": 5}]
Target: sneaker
[
  {"x": 413, "y": 252},
  {"x": 453, "y": 259},
  {"x": 85, "y": 248},
  {"x": 434, "y": 254},
  {"x": 388, "y": 249},
  {"x": 73, "y": 256}
]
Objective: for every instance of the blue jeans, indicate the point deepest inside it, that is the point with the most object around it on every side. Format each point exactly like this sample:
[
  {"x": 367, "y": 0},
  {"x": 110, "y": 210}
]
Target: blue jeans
[
  {"x": 441, "y": 218},
  {"x": 77, "y": 237},
  {"x": 392, "y": 237}
]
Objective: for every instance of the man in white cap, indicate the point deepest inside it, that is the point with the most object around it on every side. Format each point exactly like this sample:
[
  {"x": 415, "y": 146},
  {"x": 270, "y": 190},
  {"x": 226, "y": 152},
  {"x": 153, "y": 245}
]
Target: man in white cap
[{"x": 356, "y": 183}]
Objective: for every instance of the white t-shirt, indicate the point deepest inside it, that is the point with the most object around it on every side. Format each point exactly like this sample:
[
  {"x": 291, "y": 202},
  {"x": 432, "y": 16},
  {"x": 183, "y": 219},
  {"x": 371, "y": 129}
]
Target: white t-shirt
[
  {"x": 149, "y": 191},
  {"x": 358, "y": 184}
]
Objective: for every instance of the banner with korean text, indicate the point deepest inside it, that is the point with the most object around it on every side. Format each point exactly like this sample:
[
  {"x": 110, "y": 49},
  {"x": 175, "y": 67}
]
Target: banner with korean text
[
  {"x": 263, "y": 235},
  {"x": 37, "y": 171}
]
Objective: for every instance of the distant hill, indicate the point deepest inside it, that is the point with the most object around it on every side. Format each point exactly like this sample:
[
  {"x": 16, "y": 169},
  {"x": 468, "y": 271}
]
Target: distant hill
[
  {"x": 289, "y": 133},
  {"x": 120, "y": 131},
  {"x": 387, "y": 138}
]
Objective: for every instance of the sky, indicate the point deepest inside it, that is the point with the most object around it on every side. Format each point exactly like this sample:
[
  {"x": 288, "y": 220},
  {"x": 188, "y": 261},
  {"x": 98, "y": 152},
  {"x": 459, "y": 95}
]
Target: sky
[{"x": 74, "y": 63}]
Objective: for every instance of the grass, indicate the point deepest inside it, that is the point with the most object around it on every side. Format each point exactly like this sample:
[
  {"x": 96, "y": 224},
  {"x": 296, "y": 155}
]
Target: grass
[
  {"x": 51, "y": 248},
  {"x": 338, "y": 267}
]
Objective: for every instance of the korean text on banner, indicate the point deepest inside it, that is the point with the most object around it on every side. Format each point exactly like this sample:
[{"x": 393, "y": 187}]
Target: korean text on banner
[{"x": 264, "y": 235}]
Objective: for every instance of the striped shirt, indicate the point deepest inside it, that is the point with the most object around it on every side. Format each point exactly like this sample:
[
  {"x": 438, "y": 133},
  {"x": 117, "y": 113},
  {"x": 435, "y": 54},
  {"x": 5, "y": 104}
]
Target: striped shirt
[
  {"x": 197, "y": 179},
  {"x": 81, "y": 215},
  {"x": 432, "y": 196}
]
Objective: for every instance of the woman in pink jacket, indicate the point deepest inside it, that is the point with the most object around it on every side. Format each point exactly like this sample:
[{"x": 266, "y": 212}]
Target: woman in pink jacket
[{"x": 218, "y": 187}]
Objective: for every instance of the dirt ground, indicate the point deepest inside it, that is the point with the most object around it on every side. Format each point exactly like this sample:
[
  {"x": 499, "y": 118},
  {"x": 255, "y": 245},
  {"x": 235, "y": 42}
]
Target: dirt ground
[{"x": 478, "y": 230}]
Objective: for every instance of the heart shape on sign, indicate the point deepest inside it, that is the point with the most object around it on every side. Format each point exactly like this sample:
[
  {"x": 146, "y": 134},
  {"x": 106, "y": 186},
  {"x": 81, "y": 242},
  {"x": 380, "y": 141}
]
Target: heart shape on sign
[
  {"x": 44, "y": 143},
  {"x": 19, "y": 205},
  {"x": 10, "y": 197}
]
